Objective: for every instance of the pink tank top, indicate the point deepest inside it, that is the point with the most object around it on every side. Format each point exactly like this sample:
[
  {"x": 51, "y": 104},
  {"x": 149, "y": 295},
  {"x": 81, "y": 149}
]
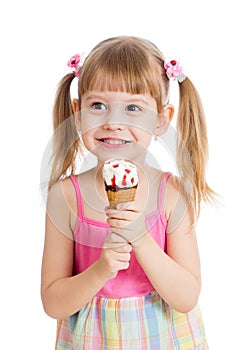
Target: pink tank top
[{"x": 89, "y": 236}]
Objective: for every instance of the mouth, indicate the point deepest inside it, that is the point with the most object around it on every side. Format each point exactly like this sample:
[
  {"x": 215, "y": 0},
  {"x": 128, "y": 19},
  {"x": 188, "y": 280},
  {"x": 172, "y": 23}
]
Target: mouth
[{"x": 109, "y": 142}]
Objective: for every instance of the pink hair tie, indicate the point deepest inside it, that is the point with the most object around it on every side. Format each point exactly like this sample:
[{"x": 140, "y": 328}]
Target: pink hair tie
[
  {"x": 174, "y": 71},
  {"x": 75, "y": 63}
]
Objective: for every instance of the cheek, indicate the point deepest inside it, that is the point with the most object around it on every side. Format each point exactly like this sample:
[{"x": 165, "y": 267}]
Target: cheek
[
  {"x": 146, "y": 126},
  {"x": 88, "y": 139},
  {"x": 146, "y": 140},
  {"x": 91, "y": 120},
  {"x": 142, "y": 136}
]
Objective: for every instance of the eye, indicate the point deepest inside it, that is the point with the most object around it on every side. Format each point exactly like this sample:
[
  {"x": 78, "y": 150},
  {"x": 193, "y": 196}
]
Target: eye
[
  {"x": 133, "y": 108},
  {"x": 98, "y": 106}
]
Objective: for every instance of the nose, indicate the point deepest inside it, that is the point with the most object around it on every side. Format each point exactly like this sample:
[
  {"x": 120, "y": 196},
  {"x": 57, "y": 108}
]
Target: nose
[
  {"x": 115, "y": 119},
  {"x": 113, "y": 126}
]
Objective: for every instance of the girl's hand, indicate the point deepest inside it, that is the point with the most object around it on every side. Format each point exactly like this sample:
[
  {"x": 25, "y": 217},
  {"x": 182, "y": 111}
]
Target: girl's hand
[
  {"x": 127, "y": 224},
  {"x": 113, "y": 260}
]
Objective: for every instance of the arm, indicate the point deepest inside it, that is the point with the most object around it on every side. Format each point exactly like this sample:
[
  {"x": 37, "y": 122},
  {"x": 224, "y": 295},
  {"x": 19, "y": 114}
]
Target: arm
[
  {"x": 175, "y": 275},
  {"x": 63, "y": 294}
]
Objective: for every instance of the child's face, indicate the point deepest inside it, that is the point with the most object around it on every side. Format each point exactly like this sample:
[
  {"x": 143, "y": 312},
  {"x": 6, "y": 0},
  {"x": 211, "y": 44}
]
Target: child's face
[{"x": 118, "y": 124}]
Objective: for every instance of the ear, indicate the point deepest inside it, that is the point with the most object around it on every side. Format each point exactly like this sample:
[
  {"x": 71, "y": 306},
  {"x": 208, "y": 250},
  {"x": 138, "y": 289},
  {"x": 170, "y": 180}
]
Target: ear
[
  {"x": 75, "y": 106},
  {"x": 165, "y": 117}
]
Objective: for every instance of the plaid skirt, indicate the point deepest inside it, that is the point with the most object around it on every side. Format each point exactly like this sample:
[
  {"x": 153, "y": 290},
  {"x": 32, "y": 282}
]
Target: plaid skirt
[{"x": 138, "y": 323}]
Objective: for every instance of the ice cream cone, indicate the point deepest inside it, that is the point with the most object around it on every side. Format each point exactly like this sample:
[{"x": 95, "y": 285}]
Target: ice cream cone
[
  {"x": 121, "y": 181},
  {"x": 120, "y": 196}
]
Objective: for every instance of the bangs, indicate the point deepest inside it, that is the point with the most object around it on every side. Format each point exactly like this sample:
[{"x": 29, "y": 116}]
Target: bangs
[{"x": 124, "y": 68}]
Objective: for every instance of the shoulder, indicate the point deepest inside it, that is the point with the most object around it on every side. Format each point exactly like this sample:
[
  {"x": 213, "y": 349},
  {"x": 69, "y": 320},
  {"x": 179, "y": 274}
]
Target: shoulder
[
  {"x": 63, "y": 193},
  {"x": 168, "y": 187},
  {"x": 177, "y": 204},
  {"x": 173, "y": 186},
  {"x": 171, "y": 191}
]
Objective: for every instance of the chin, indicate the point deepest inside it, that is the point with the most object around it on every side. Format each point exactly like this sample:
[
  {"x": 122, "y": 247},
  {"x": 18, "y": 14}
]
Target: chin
[{"x": 133, "y": 153}]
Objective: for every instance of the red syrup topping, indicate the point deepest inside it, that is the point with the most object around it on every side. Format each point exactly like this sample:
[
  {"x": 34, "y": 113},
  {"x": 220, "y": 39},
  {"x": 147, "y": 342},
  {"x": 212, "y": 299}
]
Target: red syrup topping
[
  {"x": 132, "y": 180},
  {"x": 124, "y": 183},
  {"x": 113, "y": 180},
  {"x": 127, "y": 171},
  {"x": 115, "y": 166}
]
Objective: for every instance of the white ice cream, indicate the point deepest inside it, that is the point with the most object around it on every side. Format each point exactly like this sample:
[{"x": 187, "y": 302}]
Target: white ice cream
[{"x": 120, "y": 173}]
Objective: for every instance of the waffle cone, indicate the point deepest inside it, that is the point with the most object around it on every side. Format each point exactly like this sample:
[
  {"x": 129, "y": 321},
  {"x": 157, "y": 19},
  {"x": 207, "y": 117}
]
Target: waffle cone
[{"x": 121, "y": 196}]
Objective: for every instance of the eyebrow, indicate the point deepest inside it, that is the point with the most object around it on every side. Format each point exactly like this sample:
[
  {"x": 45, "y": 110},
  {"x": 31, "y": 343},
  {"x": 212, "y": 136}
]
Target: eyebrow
[
  {"x": 137, "y": 99},
  {"x": 128, "y": 100},
  {"x": 92, "y": 97}
]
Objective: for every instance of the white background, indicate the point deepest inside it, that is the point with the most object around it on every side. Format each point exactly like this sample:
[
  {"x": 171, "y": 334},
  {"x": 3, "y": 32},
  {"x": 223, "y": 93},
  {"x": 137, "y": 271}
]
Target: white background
[{"x": 37, "y": 39}]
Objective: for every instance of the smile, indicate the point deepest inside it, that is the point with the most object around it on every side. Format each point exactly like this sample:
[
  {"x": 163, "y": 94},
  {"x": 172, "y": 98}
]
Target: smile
[{"x": 114, "y": 141}]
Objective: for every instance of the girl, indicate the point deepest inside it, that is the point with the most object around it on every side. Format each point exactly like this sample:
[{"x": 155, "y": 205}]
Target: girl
[{"x": 142, "y": 293}]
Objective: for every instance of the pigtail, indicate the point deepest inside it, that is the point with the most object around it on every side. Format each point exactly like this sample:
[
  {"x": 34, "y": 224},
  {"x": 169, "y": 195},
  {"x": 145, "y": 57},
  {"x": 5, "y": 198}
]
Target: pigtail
[
  {"x": 193, "y": 144},
  {"x": 65, "y": 138}
]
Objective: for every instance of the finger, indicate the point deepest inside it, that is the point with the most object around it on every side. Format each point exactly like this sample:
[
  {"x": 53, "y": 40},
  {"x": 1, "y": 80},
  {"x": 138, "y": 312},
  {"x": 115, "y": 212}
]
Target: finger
[
  {"x": 123, "y": 265},
  {"x": 122, "y": 211},
  {"x": 123, "y": 257},
  {"x": 127, "y": 248},
  {"x": 127, "y": 206},
  {"x": 113, "y": 245},
  {"x": 117, "y": 223},
  {"x": 122, "y": 215}
]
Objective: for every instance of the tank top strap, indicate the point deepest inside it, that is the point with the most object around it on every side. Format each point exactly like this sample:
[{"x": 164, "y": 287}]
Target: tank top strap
[
  {"x": 162, "y": 190},
  {"x": 78, "y": 195}
]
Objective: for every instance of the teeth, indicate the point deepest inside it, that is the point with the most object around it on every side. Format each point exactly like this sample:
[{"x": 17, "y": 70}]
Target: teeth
[{"x": 114, "y": 142}]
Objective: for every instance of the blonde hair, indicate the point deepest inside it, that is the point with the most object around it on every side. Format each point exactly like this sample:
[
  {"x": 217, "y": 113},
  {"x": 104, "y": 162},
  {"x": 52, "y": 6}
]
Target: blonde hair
[{"x": 136, "y": 66}]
